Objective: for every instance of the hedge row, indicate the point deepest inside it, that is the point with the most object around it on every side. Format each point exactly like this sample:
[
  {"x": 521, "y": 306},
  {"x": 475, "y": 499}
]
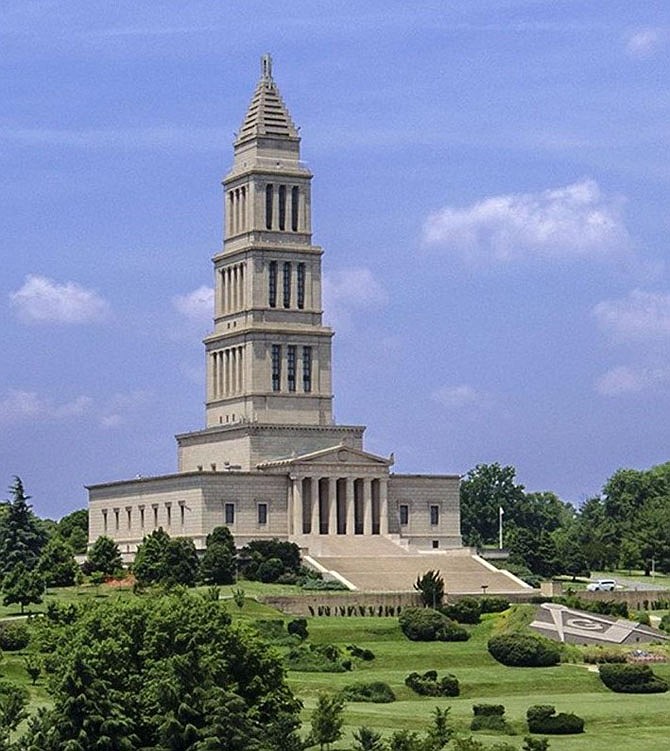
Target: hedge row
[
  {"x": 632, "y": 679},
  {"x": 542, "y": 718},
  {"x": 429, "y": 685},
  {"x": 426, "y": 624},
  {"x": 524, "y": 650}
]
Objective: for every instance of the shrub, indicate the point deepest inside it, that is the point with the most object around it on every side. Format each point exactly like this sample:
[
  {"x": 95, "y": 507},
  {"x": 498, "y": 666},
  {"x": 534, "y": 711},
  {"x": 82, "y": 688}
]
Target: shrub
[
  {"x": 524, "y": 650},
  {"x": 13, "y": 636},
  {"x": 466, "y": 610},
  {"x": 429, "y": 685},
  {"x": 542, "y": 718},
  {"x": 632, "y": 679},
  {"x": 269, "y": 571},
  {"x": 360, "y": 653},
  {"x": 376, "y": 691},
  {"x": 643, "y": 618},
  {"x": 493, "y": 604},
  {"x": 431, "y": 587},
  {"x": 602, "y": 607},
  {"x": 323, "y": 658},
  {"x": 298, "y": 627},
  {"x": 321, "y": 585},
  {"x": 597, "y": 655},
  {"x": 425, "y": 624},
  {"x": 489, "y": 717},
  {"x": 664, "y": 625}
]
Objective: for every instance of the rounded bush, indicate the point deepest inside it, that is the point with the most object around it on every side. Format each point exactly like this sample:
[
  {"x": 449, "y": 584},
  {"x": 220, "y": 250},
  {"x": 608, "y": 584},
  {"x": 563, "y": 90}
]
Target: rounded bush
[
  {"x": 361, "y": 653},
  {"x": 632, "y": 679},
  {"x": 524, "y": 650},
  {"x": 426, "y": 624},
  {"x": 13, "y": 636},
  {"x": 542, "y": 718},
  {"x": 466, "y": 610},
  {"x": 376, "y": 691},
  {"x": 269, "y": 571},
  {"x": 298, "y": 627},
  {"x": 489, "y": 717},
  {"x": 429, "y": 685},
  {"x": 493, "y": 604}
]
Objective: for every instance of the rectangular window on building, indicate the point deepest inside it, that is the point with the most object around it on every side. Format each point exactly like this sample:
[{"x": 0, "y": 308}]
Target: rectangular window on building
[
  {"x": 129, "y": 512},
  {"x": 434, "y": 515},
  {"x": 272, "y": 284},
  {"x": 269, "y": 191},
  {"x": 307, "y": 369},
  {"x": 295, "y": 198},
  {"x": 287, "y": 284},
  {"x": 282, "y": 207},
  {"x": 182, "y": 514},
  {"x": 104, "y": 521},
  {"x": 291, "y": 366},
  {"x": 301, "y": 285},
  {"x": 262, "y": 513},
  {"x": 168, "y": 511},
  {"x": 229, "y": 513},
  {"x": 116, "y": 519},
  {"x": 141, "y": 517},
  {"x": 404, "y": 514},
  {"x": 276, "y": 367},
  {"x": 155, "y": 510}
]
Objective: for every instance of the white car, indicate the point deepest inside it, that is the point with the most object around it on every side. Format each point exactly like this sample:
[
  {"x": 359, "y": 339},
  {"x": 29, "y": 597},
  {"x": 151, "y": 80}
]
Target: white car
[{"x": 602, "y": 585}]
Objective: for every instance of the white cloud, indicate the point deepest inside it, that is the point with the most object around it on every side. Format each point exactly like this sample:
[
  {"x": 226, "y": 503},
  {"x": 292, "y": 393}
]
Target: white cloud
[
  {"x": 457, "y": 396},
  {"x": 640, "y": 315},
  {"x": 348, "y": 291},
  {"x": 645, "y": 42},
  {"x": 42, "y": 300},
  {"x": 631, "y": 380},
  {"x": 197, "y": 305},
  {"x": 570, "y": 222},
  {"x": 19, "y": 406}
]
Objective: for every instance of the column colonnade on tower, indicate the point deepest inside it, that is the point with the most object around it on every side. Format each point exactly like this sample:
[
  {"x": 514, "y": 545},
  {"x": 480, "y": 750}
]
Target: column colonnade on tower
[{"x": 338, "y": 505}]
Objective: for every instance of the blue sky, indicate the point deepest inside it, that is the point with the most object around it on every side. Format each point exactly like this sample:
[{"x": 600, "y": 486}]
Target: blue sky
[{"x": 491, "y": 189}]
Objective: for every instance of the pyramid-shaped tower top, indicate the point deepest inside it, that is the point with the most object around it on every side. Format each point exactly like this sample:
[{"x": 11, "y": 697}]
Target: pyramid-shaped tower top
[{"x": 267, "y": 115}]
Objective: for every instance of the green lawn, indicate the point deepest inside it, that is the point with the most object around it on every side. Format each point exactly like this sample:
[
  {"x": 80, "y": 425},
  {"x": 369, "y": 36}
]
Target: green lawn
[{"x": 613, "y": 721}]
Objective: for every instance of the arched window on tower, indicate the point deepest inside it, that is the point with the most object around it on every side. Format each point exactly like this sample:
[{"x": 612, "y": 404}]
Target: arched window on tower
[{"x": 269, "y": 191}]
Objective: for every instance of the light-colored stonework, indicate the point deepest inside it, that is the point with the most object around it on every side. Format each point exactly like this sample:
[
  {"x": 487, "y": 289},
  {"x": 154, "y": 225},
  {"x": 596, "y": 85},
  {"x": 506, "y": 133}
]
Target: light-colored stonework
[{"x": 271, "y": 461}]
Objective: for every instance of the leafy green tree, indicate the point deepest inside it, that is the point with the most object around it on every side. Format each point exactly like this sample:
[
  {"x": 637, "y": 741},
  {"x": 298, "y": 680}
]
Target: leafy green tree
[
  {"x": 22, "y": 586},
  {"x": 327, "y": 720},
  {"x": 33, "y": 666},
  {"x": 219, "y": 560},
  {"x": 167, "y": 674},
  {"x": 181, "y": 562},
  {"x": 57, "y": 565},
  {"x": 366, "y": 739},
  {"x": 439, "y": 732},
  {"x": 104, "y": 556},
  {"x": 21, "y": 535},
  {"x": 149, "y": 565},
  {"x": 13, "y": 702},
  {"x": 431, "y": 587},
  {"x": 73, "y": 528}
]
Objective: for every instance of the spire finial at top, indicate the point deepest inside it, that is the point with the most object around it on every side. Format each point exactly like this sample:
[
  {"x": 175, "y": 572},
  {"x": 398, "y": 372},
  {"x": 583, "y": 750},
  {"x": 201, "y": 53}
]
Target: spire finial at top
[{"x": 266, "y": 66}]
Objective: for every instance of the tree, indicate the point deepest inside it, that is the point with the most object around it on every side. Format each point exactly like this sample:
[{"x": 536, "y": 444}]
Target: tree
[
  {"x": 104, "y": 556},
  {"x": 13, "y": 702},
  {"x": 366, "y": 739},
  {"x": 218, "y": 562},
  {"x": 57, "y": 564},
  {"x": 181, "y": 562},
  {"x": 149, "y": 565},
  {"x": 327, "y": 720},
  {"x": 22, "y": 586},
  {"x": 439, "y": 732},
  {"x": 21, "y": 535},
  {"x": 170, "y": 674},
  {"x": 431, "y": 587},
  {"x": 73, "y": 528}
]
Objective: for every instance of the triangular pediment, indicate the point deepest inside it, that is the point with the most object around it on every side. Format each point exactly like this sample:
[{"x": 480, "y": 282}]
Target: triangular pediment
[{"x": 340, "y": 455}]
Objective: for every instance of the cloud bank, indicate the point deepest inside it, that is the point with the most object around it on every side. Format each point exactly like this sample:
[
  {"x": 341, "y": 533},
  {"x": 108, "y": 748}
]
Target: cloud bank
[
  {"x": 348, "y": 291},
  {"x": 43, "y": 300},
  {"x": 576, "y": 221},
  {"x": 197, "y": 306},
  {"x": 639, "y": 316}
]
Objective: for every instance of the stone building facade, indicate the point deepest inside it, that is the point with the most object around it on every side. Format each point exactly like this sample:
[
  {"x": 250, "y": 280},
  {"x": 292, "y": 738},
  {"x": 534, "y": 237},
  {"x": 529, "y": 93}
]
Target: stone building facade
[{"x": 271, "y": 462}]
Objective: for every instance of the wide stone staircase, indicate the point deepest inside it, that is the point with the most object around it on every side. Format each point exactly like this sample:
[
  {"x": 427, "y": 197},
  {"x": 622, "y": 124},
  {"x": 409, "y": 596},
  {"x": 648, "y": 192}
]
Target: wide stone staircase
[{"x": 383, "y": 564}]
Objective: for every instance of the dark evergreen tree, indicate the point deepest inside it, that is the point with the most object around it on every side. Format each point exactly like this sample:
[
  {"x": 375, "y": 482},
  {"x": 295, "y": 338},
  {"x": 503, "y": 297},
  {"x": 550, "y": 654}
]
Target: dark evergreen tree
[
  {"x": 22, "y": 537},
  {"x": 150, "y": 565},
  {"x": 218, "y": 563},
  {"x": 104, "y": 557}
]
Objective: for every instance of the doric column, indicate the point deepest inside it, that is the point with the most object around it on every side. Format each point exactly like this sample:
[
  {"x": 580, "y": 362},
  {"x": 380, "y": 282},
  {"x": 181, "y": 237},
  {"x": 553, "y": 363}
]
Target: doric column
[
  {"x": 316, "y": 515},
  {"x": 367, "y": 506},
  {"x": 349, "y": 528},
  {"x": 297, "y": 505},
  {"x": 332, "y": 505},
  {"x": 383, "y": 506}
]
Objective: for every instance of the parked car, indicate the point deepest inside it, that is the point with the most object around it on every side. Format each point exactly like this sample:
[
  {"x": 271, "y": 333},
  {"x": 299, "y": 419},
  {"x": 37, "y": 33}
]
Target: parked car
[{"x": 602, "y": 585}]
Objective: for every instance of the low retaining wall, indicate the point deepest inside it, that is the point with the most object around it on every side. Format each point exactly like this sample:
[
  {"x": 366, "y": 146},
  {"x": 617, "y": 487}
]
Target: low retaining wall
[{"x": 343, "y": 603}]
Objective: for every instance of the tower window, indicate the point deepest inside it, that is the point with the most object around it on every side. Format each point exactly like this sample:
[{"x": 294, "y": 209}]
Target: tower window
[
  {"x": 104, "y": 520},
  {"x": 154, "y": 507},
  {"x": 295, "y": 197},
  {"x": 129, "y": 513},
  {"x": 276, "y": 367},
  {"x": 116, "y": 519},
  {"x": 141, "y": 517},
  {"x": 306, "y": 369},
  {"x": 272, "y": 284},
  {"x": 434, "y": 515},
  {"x": 262, "y": 513},
  {"x": 287, "y": 284},
  {"x": 168, "y": 511},
  {"x": 282, "y": 207},
  {"x": 404, "y": 514},
  {"x": 291, "y": 366},
  {"x": 301, "y": 285},
  {"x": 229, "y": 513},
  {"x": 269, "y": 191}
]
